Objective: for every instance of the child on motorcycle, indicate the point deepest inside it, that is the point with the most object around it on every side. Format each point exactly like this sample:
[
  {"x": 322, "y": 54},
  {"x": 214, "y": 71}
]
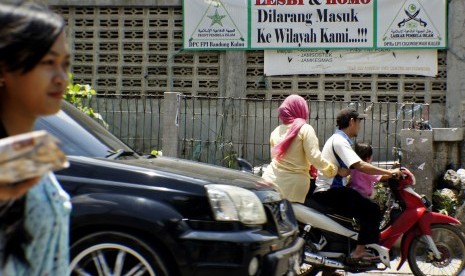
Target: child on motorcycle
[
  {"x": 360, "y": 181},
  {"x": 333, "y": 192}
]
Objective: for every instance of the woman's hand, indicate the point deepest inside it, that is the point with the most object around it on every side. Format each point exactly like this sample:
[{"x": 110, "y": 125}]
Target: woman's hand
[
  {"x": 343, "y": 172},
  {"x": 17, "y": 190}
]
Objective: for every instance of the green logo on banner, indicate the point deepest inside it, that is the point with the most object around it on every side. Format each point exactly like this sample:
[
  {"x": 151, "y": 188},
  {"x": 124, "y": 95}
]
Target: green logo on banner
[
  {"x": 412, "y": 22},
  {"x": 216, "y": 18},
  {"x": 216, "y": 28}
]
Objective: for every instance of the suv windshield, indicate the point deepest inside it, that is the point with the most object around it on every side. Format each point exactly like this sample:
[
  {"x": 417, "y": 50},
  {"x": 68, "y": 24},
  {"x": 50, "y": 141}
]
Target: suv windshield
[{"x": 81, "y": 135}]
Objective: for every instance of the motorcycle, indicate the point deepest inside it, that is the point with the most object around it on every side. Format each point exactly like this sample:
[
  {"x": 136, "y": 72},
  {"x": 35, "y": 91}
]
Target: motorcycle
[{"x": 432, "y": 243}]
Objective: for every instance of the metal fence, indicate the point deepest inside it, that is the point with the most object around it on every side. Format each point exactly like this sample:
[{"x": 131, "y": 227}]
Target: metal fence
[
  {"x": 217, "y": 129},
  {"x": 214, "y": 130},
  {"x": 137, "y": 121}
]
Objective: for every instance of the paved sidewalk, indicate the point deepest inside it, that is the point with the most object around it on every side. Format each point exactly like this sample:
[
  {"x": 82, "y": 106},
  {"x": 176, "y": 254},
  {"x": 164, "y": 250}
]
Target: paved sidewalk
[{"x": 404, "y": 271}]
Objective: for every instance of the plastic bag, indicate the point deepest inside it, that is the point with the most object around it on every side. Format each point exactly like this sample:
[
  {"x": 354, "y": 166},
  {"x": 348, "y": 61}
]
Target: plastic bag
[
  {"x": 461, "y": 174},
  {"x": 29, "y": 155}
]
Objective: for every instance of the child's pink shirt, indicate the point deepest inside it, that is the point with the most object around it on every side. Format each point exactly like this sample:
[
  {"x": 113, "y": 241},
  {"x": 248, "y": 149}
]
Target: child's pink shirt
[{"x": 362, "y": 182}]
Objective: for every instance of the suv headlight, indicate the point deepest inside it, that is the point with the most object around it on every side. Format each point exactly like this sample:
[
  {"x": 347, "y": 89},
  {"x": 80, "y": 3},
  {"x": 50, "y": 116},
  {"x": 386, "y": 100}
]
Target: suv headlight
[{"x": 230, "y": 203}]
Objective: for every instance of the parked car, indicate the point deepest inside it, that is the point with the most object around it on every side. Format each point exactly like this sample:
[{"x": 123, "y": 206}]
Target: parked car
[{"x": 139, "y": 215}]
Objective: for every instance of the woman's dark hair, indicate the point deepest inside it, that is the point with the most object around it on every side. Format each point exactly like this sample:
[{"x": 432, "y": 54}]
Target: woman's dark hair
[
  {"x": 27, "y": 32},
  {"x": 363, "y": 150}
]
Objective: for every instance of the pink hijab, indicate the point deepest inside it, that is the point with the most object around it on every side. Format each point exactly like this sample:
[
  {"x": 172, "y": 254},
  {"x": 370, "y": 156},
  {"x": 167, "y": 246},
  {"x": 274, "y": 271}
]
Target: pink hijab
[{"x": 294, "y": 110}]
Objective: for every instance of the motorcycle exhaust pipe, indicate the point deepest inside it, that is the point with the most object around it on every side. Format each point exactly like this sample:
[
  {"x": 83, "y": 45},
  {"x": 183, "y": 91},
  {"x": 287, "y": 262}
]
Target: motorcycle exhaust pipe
[{"x": 315, "y": 259}]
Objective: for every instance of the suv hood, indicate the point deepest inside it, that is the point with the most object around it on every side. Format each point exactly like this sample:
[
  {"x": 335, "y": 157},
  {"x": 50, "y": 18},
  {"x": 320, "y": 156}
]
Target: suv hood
[
  {"x": 211, "y": 174},
  {"x": 162, "y": 173}
]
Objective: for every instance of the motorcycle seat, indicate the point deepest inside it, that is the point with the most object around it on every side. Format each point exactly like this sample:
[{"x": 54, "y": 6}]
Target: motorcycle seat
[
  {"x": 319, "y": 207},
  {"x": 347, "y": 221}
]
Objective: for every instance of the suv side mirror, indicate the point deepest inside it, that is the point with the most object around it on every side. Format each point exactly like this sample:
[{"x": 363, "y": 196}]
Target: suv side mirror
[{"x": 244, "y": 165}]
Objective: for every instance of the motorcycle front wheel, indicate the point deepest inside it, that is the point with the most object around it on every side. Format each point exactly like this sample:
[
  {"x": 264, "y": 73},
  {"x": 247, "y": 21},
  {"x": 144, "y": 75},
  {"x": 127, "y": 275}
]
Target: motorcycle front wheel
[{"x": 450, "y": 242}]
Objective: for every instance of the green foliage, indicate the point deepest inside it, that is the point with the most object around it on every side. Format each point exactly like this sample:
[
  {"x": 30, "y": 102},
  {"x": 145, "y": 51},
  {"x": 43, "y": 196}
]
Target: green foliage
[
  {"x": 380, "y": 194},
  {"x": 77, "y": 93},
  {"x": 223, "y": 150},
  {"x": 230, "y": 155},
  {"x": 445, "y": 201},
  {"x": 231, "y": 160}
]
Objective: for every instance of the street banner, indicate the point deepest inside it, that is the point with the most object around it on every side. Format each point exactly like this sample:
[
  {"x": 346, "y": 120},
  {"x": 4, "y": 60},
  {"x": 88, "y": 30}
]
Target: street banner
[
  {"x": 411, "y": 24},
  {"x": 215, "y": 24},
  {"x": 314, "y": 24},
  {"x": 285, "y": 62}
]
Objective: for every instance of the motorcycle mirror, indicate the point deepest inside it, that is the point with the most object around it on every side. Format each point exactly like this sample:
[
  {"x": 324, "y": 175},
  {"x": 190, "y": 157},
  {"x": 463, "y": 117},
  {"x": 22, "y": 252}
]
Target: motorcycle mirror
[{"x": 397, "y": 153}]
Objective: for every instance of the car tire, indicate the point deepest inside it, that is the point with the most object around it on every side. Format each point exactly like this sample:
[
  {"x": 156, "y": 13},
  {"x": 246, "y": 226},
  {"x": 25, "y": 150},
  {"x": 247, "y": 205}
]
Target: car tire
[{"x": 115, "y": 253}]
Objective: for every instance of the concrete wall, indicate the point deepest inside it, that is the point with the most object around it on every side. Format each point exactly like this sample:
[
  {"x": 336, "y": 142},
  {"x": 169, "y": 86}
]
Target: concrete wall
[
  {"x": 427, "y": 153},
  {"x": 455, "y": 101}
]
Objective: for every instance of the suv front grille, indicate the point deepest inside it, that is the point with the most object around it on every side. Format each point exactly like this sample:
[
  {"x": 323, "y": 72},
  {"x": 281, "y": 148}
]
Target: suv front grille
[{"x": 280, "y": 217}]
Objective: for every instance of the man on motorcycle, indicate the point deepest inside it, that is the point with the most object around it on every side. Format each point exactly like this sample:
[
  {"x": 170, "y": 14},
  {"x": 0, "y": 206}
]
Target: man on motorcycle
[{"x": 332, "y": 191}]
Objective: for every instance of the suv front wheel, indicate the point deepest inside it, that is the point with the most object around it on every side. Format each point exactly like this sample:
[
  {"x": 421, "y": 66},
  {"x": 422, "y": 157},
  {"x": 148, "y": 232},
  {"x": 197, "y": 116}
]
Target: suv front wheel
[{"x": 114, "y": 253}]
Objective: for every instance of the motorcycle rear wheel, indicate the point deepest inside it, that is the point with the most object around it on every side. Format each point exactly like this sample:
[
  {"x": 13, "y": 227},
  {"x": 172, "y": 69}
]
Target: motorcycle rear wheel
[{"x": 450, "y": 241}]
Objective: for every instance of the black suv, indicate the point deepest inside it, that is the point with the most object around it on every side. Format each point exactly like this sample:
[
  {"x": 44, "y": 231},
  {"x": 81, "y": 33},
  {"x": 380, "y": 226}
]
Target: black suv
[{"x": 140, "y": 215}]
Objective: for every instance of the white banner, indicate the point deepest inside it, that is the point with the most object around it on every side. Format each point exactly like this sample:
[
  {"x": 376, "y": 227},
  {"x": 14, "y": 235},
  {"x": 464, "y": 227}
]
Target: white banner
[
  {"x": 411, "y": 24},
  {"x": 312, "y": 24},
  {"x": 418, "y": 62}
]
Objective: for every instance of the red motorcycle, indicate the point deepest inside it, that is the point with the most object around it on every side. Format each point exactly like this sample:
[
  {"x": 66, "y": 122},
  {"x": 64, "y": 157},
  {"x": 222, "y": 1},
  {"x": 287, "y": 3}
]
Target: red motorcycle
[{"x": 432, "y": 243}]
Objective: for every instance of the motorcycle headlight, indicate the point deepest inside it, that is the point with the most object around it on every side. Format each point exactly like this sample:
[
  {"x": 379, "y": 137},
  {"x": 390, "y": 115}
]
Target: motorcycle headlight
[{"x": 230, "y": 203}]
